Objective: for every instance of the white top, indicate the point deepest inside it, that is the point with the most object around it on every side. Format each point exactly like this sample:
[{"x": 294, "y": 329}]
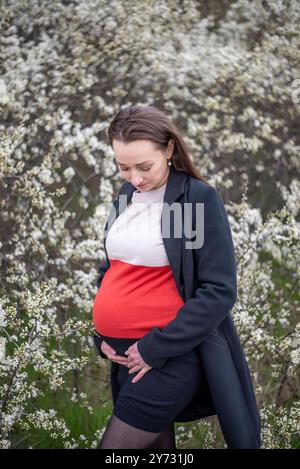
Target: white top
[{"x": 135, "y": 236}]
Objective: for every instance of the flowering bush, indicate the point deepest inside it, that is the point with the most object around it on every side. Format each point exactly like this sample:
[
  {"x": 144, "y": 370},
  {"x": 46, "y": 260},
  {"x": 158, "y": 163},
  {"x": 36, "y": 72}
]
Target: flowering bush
[{"x": 228, "y": 73}]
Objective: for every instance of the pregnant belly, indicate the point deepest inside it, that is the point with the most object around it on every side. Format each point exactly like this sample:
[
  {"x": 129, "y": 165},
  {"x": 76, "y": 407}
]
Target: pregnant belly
[
  {"x": 132, "y": 301},
  {"x": 121, "y": 317}
]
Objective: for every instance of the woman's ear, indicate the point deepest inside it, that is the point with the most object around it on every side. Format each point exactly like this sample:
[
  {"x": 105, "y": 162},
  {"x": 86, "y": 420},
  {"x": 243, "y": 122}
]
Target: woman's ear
[{"x": 171, "y": 144}]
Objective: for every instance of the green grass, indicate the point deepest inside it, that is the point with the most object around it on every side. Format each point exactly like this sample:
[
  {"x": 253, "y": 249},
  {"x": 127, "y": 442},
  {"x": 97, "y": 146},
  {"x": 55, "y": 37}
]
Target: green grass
[{"x": 78, "y": 419}]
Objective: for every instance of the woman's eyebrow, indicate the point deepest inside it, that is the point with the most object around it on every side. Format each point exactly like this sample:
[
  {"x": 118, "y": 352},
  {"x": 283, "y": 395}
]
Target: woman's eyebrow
[{"x": 140, "y": 164}]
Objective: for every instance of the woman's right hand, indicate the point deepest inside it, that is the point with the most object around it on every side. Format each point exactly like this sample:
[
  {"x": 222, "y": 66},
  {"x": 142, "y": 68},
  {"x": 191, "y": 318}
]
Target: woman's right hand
[{"x": 112, "y": 355}]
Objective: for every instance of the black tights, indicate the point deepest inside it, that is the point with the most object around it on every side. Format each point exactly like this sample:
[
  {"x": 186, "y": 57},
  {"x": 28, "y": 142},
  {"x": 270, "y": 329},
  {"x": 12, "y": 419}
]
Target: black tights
[{"x": 120, "y": 435}]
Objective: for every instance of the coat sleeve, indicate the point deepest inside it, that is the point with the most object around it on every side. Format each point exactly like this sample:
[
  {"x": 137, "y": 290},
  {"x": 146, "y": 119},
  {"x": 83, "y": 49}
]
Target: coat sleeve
[
  {"x": 97, "y": 337},
  {"x": 214, "y": 296}
]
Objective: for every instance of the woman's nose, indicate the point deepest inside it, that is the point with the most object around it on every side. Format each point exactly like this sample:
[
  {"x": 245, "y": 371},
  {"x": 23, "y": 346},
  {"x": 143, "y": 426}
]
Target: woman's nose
[{"x": 137, "y": 181}]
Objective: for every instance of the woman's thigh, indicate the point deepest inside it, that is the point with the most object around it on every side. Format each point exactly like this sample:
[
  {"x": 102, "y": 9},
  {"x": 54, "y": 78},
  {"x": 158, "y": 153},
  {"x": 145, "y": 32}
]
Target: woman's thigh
[{"x": 160, "y": 395}]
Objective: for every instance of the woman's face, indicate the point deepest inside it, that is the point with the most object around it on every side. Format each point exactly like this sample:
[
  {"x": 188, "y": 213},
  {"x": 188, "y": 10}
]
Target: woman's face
[{"x": 142, "y": 165}]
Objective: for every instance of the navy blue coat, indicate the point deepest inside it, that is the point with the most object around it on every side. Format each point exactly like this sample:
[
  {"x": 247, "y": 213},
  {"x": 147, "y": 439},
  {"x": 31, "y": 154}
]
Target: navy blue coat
[{"x": 206, "y": 280}]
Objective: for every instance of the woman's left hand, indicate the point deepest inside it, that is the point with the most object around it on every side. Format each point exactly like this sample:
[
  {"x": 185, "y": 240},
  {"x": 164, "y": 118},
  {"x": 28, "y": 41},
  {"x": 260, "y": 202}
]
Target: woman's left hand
[{"x": 136, "y": 363}]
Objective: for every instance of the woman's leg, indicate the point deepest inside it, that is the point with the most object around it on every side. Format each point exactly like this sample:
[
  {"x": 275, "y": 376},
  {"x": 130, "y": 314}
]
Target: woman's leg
[
  {"x": 120, "y": 435},
  {"x": 166, "y": 439}
]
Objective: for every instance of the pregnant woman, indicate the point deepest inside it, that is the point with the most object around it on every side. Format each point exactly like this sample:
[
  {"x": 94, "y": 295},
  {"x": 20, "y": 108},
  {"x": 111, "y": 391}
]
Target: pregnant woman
[{"x": 165, "y": 292}]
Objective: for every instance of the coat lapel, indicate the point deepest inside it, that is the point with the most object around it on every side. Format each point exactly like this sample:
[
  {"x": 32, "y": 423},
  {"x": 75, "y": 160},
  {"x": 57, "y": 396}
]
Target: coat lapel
[{"x": 173, "y": 245}]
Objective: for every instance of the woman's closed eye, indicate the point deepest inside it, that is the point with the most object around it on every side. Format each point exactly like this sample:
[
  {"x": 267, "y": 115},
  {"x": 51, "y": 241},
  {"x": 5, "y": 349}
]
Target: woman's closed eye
[{"x": 142, "y": 169}]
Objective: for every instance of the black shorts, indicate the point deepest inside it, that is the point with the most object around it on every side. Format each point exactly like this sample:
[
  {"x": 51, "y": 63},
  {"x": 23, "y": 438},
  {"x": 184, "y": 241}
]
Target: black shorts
[{"x": 160, "y": 395}]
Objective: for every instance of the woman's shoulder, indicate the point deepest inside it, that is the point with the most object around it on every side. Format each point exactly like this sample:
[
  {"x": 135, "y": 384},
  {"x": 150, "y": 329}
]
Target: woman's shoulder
[
  {"x": 198, "y": 189},
  {"x": 202, "y": 192}
]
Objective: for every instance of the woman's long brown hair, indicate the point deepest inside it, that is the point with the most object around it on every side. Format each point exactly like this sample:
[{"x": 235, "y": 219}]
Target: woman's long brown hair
[{"x": 148, "y": 122}]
